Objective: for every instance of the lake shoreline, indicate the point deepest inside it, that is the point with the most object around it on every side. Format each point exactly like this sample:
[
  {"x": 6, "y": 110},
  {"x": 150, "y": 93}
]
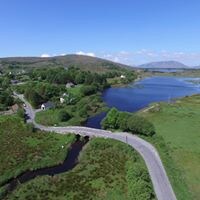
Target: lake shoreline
[{"x": 139, "y": 94}]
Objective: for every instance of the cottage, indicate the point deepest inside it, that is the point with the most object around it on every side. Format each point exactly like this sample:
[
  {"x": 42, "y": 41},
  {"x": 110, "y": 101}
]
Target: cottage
[
  {"x": 70, "y": 85},
  {"x": 47, "y": 105},
  {"x": 122, "y": 76},
  {"x": 62, "y": 100}
]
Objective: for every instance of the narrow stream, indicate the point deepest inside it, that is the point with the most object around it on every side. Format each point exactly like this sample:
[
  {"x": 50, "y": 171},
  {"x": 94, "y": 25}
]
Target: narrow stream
[{"x": 69, "y": 163}]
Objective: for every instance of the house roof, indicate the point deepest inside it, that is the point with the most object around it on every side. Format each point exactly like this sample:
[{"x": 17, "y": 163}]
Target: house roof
[
  {"x": 49, "y": 104},
  {"x": 69, "y": 84}
]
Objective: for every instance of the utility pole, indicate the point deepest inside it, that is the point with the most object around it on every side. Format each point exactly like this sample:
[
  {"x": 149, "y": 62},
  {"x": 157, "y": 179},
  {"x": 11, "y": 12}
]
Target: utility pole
[{"x": 169, "y": 98}]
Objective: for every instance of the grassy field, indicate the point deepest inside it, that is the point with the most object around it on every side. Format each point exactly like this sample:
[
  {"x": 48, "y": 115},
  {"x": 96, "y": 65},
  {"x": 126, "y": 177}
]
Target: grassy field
[
  {"x": 178, "y": 129},
  {"x": 107, "y": 170},
  {"x": 22, "y": 149}
]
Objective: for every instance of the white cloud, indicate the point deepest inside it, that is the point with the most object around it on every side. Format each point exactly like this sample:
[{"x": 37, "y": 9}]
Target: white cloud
[
  {"x": 63, "y": 54},
  {"x": 45, "y": 55},
  {"x": 116, "y": 59},
  {"x": 86, "y": 53},
  {"x": 142, "y": 56}
]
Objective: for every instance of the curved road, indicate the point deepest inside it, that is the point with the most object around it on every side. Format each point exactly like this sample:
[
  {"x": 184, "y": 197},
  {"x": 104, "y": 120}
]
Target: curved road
[{"x": 161, "y": 184}]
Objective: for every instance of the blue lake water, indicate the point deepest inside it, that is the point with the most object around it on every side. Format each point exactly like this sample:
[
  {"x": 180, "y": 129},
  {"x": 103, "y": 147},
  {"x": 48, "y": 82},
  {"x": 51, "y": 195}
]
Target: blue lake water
[{"x": 140, "y": 94}]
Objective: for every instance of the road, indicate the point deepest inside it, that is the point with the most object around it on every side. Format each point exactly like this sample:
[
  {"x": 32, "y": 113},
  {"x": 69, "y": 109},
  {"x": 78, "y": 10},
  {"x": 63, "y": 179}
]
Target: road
[{"x": 161, "y": 184}]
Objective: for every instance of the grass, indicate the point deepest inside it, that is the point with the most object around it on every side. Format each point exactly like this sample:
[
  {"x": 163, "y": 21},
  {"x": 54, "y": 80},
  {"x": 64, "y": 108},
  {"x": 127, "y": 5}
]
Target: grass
[
  {"x": 86, "y": 107},
  {"x": 107, "y": 170},
  {"x": 76, "y": 91},
  {"x": 178, "y": 129},
  {"x": 22, "y": 149}
]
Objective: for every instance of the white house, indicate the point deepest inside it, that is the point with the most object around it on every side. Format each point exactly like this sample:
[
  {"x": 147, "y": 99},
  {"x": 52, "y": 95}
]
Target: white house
[
  {"x": 47, "y": 105},
  {"x": 62, "y": 100},
  {"x": 122, "y": 76}
]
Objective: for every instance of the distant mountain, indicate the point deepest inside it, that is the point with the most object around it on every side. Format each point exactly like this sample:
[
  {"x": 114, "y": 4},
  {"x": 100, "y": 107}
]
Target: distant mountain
[
  {"x": 196, "y": 67},
  {"x": 164, "y": 64},
  {"x": 80, "y": 61}
]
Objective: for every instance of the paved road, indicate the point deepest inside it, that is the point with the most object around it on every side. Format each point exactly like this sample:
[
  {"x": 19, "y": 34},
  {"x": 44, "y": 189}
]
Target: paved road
[{"x": 161, "y": 184}]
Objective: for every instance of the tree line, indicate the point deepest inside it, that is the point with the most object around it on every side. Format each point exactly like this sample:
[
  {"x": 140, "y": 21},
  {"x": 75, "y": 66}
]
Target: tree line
[{"x": 128, "y": 122}]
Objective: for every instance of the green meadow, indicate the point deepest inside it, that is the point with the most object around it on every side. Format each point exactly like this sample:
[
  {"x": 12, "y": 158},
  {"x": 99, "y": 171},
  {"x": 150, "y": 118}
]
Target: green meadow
[{"x": 178, "y": 141}]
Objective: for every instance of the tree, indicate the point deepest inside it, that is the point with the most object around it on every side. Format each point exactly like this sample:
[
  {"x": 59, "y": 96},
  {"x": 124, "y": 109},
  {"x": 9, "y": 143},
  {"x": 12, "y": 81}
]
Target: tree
[
  {"x": 6, "y": 99},
  {"x": 139, "y": 125},
  {"x": 110, "y": 121},
  {"x": 88, "y": 90},
  {"x": 122, "y": 120},
  {"x": 80, "y": 78},
  {"x": 63, "y": 116},
  {"x": 33, "y": 97}
]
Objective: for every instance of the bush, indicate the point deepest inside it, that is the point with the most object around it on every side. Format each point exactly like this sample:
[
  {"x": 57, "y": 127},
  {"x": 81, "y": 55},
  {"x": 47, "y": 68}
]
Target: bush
[
  {"x": 122, "y": 120},
  {"x": 110, "y": 121},
  {"x": 83, "y": 112},
  {"x": 127, "y": 122},
  {"x": 88, "y": 90},
  {"x": 139, "y": 125},
  {"x": 21, "y": 113},
  {"x": 63, "y": 116}
]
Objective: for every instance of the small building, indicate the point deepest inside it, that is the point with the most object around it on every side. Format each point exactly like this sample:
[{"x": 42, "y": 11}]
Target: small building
[
  {"x": 65, "y": 95},
  {"x": 47, "y": 105},
  {"x": 62, "y": 100},
  {"x": 122, "y": 76},
  {"x": 70, "y": 85}
]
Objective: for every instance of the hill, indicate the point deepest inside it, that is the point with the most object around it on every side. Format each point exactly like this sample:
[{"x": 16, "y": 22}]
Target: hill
[
  {"x": 164, "y": 64},
  {"x": 80, "y": 61}
]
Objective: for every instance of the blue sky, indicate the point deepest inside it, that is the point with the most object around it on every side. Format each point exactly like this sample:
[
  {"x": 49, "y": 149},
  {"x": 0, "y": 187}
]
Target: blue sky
[{"x": 127, "y": 31}]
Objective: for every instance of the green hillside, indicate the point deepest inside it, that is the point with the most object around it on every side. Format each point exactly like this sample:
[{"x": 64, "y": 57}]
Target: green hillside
[{"x": 80, "y": 61}]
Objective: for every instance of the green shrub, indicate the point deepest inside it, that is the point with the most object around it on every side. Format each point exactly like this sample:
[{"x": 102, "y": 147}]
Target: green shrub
[
  {"x": 63, "y": 116},
  {"x": 21, "y": 113},
  {"x": 139, "y": 125},
  {"x": 111, "y": 119},
  {"x": 122, "y": 120},
  {"x": 127, "y": 122},
  {"x": 88, "y": 90}
]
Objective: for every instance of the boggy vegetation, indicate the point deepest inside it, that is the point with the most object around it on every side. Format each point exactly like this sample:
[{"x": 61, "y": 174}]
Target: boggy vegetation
[
  {"x": 22, "y": 149},
  {"x": 128, "y": 122},
  {"x": 107, "y": 170}
]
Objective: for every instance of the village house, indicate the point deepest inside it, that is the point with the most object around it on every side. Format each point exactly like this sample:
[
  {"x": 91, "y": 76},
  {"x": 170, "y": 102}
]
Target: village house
[
  {"x": 122, "y": 76},
  {"x": 62, "y": 100},
  {"x": 70, "y": 85},
  {"x": 47, "y": 105}
]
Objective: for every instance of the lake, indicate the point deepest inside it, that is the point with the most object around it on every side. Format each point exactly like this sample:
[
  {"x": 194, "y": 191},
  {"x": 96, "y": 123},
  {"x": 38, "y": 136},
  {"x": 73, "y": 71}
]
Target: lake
[{"x": 140, "y": 94}]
